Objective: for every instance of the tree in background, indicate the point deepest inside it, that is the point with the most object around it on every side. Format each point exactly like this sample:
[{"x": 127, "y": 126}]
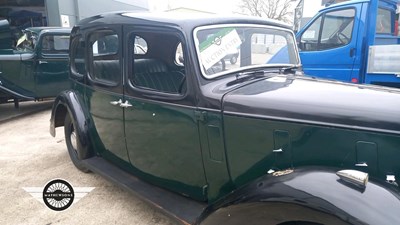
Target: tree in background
[{"x": 273, "y": 9}]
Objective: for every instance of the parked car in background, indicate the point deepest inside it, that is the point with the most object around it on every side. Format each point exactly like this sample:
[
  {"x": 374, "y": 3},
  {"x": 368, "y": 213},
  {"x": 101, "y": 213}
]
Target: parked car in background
[
  {"x": 250, "y": 143},
  {"x": 232, "y": 56},
  {"x": 34, "y": 66}
]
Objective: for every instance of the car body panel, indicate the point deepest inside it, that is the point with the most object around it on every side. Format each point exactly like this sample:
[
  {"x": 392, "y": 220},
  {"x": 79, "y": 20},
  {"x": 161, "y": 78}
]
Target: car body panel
[
  {"x": 32, "y": 73},
  {"x": 321, "y": 102},
  {"x": 214, "y": 138},
  {"x": 176, "y": 156},
  {"x": 311, "y": 194}
]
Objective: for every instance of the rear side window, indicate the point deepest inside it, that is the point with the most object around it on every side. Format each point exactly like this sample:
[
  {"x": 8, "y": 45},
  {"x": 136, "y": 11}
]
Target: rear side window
[
  {"x": 105, "y": 57},
  {"x": 384, "y": 21}
]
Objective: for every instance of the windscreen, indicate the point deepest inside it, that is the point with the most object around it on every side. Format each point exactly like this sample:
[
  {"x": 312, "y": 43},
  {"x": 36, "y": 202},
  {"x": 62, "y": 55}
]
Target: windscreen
[{"x": 227, "y": 48}]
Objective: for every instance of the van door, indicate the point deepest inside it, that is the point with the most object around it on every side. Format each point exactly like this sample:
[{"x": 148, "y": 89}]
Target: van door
[{"x": 328, "y": 45}]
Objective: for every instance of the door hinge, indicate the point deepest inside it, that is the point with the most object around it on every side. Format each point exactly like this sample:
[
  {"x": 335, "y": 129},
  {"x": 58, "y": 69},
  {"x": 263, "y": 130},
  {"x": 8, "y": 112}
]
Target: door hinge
[{"x": 200, "y": 115}]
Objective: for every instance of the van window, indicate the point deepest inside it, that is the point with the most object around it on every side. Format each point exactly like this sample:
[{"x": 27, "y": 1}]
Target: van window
[
  {"x": 331, "y": 30},
  {"x": 384, "y": 21}
]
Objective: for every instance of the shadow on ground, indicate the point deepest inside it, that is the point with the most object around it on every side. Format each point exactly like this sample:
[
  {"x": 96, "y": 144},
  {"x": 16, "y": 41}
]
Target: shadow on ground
[{"x": 9, "y": 112}]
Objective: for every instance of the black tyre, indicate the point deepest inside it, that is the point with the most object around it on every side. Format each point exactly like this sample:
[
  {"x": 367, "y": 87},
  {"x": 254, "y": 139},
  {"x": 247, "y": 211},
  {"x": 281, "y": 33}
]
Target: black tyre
[
  {"x": 233, "y": 60},
  {"x": 76, "y": 152}
]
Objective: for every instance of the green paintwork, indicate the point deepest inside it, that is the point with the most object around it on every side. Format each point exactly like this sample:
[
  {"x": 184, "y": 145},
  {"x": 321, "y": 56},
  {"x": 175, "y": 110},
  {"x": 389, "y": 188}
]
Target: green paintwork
[
  {"x": 107, "y": 119},
  {"x": 19, "y": 74},
  {"x": 163, "y": 143},
  {"x": 250, "y": 142},
  {"x": 214, "y": 157},
  {"x": 33, "y": 74}
]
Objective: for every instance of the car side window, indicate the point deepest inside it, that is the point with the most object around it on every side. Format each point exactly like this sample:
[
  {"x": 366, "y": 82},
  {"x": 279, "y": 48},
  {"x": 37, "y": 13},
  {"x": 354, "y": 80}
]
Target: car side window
[
  {"x": 157, "y": 70},
  {"x": 105, "y": 57},
  {"x": 140, "y": 46},
  {"x": 78, "y": 56},
  {"x": 55, "y": 44},
  {"x": 179, "y": 55},
  {"x": 331, "y": 30}
]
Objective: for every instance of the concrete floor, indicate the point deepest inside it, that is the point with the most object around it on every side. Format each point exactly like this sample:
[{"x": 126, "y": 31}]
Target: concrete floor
[
  {"x": 31, "y": 157},
  {"x": 9, "y": 112}
]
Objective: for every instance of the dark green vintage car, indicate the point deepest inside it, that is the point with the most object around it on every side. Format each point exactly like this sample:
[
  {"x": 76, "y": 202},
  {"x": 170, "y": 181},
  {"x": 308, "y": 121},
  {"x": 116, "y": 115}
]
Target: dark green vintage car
[
  {"x": 217, "y": 143},
  {"x": 37, "y": 66}
]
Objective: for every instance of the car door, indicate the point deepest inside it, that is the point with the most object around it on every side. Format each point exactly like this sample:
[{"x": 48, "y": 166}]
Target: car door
[
  {"x": 160, "y": 125},
  {"x": 16, "y": 73},
  {"x": 104, "y": 92},
  {"x": 328, "y": 45},
  {"x": 51, "y": 75}
]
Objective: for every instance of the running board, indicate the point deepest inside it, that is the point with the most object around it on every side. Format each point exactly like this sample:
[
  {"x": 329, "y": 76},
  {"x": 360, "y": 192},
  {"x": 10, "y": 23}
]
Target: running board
[
  {"x": 178, "y": 207},
  {"x": 15, "y": 94}
]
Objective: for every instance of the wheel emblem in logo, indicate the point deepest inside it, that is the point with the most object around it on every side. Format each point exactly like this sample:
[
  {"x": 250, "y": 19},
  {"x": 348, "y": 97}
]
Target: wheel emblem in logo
[{"x": 58, "y": 195}]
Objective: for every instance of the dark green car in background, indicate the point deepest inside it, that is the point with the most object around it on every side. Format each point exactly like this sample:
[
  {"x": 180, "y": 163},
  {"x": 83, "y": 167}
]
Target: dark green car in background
[
  {"x": 34, "y": 65},
  {"x": 208, "y": 142}
]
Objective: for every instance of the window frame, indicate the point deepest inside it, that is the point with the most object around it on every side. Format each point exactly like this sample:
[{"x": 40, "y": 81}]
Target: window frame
[
  {"x": 149, "y": 93},
  {"x": 321, "y": 27},
  {"x": 75, "y": 41},
  {"x": 52, "y": 55},
  {"x": 391, "y": 22},
  {"x": 90, "y": 58}
]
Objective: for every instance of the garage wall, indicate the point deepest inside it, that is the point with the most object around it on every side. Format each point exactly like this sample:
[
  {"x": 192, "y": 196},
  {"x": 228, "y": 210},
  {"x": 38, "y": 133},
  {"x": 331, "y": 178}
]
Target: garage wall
[{"x": 76, "y": 10}]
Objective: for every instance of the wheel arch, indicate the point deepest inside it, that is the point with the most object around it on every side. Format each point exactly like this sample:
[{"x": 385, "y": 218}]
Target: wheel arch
[
  {"x": 69, "y": 102},
  {"x": 309, "y": 194}
]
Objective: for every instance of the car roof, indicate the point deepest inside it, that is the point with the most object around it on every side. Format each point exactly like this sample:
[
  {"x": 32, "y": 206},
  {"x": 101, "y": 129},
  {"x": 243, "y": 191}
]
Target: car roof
[
  {"x": 185, "y": 21},
  {"x": 49, "y": 29}
]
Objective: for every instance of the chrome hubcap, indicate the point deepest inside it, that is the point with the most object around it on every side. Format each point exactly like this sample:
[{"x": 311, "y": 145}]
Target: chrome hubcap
[{"x": 73, "y": 140}]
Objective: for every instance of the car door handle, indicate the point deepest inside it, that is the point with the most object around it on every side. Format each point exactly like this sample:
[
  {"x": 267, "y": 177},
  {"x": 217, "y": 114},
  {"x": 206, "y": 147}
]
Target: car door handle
[
  {"x": 277, "y": 150},
  {"x": 125, "y": 104},
  {"x": 352, "y": 52},
  {"x": 119, "y": 102},
  {"x": 362, "y": 164},
  {"x": 42, "y": 62}
]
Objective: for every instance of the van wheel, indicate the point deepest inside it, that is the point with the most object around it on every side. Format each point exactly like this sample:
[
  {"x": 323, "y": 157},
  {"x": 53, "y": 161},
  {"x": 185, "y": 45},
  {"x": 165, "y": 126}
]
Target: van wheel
[
  {"x": 233, "y": 60},
  {"x": 76, "y": 152}
]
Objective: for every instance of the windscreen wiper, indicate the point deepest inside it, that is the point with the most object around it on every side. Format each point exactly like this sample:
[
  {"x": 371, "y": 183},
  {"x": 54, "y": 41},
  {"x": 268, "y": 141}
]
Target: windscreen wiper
[
  {"x": 252, "y": 74},
  {"x": 297, "y": 70}
]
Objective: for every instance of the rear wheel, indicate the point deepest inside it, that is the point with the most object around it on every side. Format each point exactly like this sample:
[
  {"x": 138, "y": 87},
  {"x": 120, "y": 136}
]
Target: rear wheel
[{"x": 76, "y": 152}]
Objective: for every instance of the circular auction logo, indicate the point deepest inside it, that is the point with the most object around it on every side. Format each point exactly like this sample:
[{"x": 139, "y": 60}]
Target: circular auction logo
[{"x": 58, "y": 195}]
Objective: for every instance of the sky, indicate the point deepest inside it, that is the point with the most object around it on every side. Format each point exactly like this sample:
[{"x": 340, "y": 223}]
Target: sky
[
  {"x": 216, "y": 6},
  {"x": 311, "y": 7}
]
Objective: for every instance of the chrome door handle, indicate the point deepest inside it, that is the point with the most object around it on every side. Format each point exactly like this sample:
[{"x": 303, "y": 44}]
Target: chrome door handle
[
  {"x": 125, "y": 104},
  {"x": 362, "y": 164},
  {"x": 277, "y": 150},
  {"x": 119, "y": 102},
  {"x": 42, "y": 62}
]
